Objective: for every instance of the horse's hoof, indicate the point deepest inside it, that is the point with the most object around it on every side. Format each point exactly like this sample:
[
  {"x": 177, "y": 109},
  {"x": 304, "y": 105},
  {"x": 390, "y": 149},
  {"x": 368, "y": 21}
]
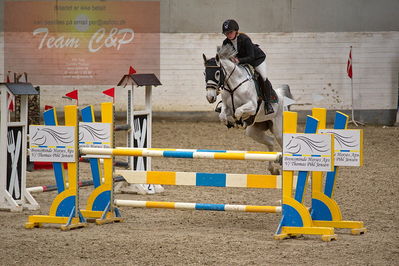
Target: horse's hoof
[{"x": 274, "y": 171}]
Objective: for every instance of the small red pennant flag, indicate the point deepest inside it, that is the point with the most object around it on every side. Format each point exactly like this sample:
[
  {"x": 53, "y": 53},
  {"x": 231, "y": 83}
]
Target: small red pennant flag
[
  {"x": 110, "y": 92},
  {"x": 72, "y": 95},
  {"x": 11, "y": 102},
  {"x": 132, "y": 70},
  {"x": 48, "y": 107}
]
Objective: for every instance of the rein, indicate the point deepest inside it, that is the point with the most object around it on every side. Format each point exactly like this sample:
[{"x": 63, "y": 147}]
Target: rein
[
  {"x": 223, "y": 85},
  {"x": 226, "y": 86}
]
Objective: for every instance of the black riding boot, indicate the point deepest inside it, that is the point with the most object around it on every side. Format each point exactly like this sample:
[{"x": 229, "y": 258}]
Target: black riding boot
[{"x": 267, "y": 91}]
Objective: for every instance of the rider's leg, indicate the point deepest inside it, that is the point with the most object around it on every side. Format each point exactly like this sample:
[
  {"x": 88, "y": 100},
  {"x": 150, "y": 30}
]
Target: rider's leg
[{"x": 262, "y": 70}]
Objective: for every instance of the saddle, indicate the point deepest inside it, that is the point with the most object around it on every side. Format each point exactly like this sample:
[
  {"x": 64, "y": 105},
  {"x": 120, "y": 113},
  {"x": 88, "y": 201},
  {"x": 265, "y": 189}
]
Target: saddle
[
  {"x": 260, "y": 85},
  {"x": 262, "y": 89}
]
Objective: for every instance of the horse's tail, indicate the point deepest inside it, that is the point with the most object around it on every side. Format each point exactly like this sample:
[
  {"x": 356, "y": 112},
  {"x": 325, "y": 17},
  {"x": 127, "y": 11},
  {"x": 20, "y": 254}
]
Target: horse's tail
[{"x": 284, "y": 91}]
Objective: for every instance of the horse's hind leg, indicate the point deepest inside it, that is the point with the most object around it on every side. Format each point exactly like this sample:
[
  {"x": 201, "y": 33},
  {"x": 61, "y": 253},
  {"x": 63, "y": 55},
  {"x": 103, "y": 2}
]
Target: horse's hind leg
[{"x": 258, "y": 133}]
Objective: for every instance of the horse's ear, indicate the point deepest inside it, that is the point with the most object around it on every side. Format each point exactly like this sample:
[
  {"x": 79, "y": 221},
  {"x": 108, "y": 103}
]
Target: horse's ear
[
  {"x": 204, "y": 56},
  {"x": 217, "y": 60}
]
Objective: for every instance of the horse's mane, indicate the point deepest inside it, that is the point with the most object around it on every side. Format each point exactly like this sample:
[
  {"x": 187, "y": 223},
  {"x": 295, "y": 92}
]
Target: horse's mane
[{"x": 226, "y": 51}]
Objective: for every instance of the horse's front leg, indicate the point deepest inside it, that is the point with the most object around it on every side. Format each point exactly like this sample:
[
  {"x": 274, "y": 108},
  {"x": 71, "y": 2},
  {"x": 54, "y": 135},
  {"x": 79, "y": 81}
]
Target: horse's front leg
[
  {"x": 245, "y": 111},
  {"x": 226, "y": 116}
]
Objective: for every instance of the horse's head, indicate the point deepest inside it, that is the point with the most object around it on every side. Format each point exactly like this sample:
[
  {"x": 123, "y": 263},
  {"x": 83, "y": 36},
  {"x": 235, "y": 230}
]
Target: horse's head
[{"x": 213, "y": 77}]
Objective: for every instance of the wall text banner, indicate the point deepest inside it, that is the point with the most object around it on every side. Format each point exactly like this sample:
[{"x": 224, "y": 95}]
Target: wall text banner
[
  {"x": 308, "y": 152},
  {"x": 81, "y": 42},
  {"x": 348, "y": 146},
  {"x": 52, "y": 143}
]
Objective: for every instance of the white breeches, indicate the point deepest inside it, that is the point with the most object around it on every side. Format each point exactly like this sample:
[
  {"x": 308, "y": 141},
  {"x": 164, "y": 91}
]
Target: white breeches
[{"x": 262, "y": 70}]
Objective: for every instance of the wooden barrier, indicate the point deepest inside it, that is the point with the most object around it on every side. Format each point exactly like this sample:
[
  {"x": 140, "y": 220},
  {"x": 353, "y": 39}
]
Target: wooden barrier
[
  {"x": 13, "y": 145},
  {"x": 65, "y": 208},
  {"x": 325, "y": 210},
  {"x": 296, "y": 218}
]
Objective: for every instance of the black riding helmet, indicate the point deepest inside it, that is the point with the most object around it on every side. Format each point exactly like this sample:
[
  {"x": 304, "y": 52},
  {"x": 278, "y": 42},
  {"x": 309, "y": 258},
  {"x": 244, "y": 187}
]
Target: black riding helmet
[{"x": 229, "y": 25}]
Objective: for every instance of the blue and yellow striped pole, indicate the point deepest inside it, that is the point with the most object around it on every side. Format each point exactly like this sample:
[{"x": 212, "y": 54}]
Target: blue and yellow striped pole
[
  {"x": 202, "y": 179},
  {"x": 197, "y": 206},
  {"x": 259, "y": 156}
]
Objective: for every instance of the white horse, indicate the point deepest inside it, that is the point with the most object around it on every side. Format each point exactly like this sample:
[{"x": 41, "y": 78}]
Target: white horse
[{"x": 240, "y": 103}]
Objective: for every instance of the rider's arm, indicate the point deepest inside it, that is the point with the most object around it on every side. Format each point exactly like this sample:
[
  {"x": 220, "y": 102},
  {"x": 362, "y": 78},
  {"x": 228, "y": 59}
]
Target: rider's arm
[{"x": 249, "y": 51}]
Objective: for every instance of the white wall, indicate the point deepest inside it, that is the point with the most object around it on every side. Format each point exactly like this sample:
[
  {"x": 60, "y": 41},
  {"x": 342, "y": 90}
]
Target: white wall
[
  {"x": 2, "y": 56},
  {"x": 313, "y": 64}
]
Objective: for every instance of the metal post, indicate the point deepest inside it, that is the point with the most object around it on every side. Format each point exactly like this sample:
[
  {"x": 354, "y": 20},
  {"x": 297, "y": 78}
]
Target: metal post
[
  {"x": 3, "y": 143},
  {"x": 352, "y": 104},
  {"x": 148, "y": 108}
]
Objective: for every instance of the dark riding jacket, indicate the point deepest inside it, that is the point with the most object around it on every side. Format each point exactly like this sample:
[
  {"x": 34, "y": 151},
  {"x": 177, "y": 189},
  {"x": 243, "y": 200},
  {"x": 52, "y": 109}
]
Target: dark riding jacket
[{"x": 248, "y": 52}]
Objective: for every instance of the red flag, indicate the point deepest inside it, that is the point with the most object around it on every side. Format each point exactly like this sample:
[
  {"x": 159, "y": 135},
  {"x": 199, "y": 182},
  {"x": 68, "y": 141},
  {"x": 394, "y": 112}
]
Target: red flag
[
  {"x": 349, "y": 64},
  {"x": 110, "y": 92},
  {"x": 48, "y": 107},
  {"x": 11, "y": 102},
  {"x": 132, "y": 70},
  {"x": 72, "y": 95}
]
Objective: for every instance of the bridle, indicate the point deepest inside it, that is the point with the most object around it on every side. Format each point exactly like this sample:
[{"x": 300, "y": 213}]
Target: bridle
[
  {"x": 223, "y": 85},
  {"x": 219, "y": 84}
]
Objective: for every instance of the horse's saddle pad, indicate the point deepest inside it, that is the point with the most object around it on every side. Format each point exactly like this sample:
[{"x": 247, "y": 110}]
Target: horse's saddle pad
[{"x": 251, "y": 70}]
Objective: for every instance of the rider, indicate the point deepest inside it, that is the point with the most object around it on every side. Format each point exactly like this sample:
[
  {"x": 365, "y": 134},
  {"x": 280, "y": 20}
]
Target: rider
[{"x": 248, "y": 53}]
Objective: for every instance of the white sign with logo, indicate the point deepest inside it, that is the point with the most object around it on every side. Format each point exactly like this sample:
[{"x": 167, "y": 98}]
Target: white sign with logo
[
  {"x": 348, "y": 146},
  {"x": 308, "y": 152},
  {"x": 95, "y": 135},
  {"x": 52, "y": 143}
]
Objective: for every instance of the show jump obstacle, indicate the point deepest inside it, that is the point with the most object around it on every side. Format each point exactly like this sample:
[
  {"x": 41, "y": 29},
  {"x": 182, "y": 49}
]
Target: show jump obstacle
[
  {"x": 296, "y": 218},
  {"x": 13, "y": 145},
  {"x": 325, "y": 210},
  {"x": 64, "y": 209}
]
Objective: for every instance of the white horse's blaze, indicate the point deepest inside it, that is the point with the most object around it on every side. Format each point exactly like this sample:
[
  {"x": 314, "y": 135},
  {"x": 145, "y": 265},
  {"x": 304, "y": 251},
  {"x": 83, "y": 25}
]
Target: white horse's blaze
[
  {"x": 245, "y": 99},
  {"x": 211, "y": 92}
]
